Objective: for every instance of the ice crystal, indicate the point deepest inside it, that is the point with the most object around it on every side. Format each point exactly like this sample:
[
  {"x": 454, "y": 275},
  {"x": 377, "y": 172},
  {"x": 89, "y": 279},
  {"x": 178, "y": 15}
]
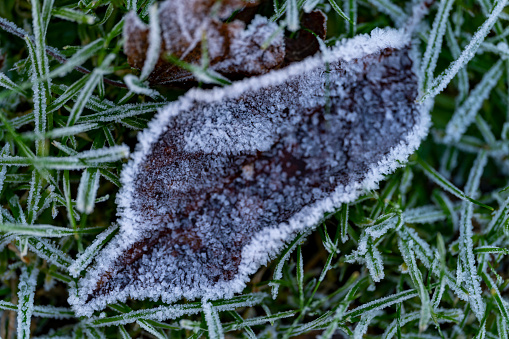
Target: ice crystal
[{"x": 222, "y": 179}]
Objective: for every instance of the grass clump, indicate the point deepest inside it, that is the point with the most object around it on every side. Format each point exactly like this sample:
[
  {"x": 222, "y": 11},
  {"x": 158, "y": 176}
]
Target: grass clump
[{"x": 425, "y": 256}]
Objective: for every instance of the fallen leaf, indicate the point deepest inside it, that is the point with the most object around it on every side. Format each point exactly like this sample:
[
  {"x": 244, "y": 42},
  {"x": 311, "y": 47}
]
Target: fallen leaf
[
  {"x": 233, "y": 49},
  {"x": 223, "y": 178}
]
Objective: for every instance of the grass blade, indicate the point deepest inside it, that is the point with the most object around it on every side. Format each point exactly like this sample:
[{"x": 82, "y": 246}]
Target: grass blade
[
  {"x": 468, "y": 53},
  {"x": 86, "y": 257},
  {"x": 405, "y": 247},
  {"x": 87, "y": 90},
  {"x": 87, "y": 190},
  {"x": 213, "y": 323},
  {"x": 466, "y": 113},
  {"x": 47, "y": 231},
  {"x": 446, "y": 184},
  {"x": 26, "y": 292},
  {"x": 467, "y": 257},
  {"x": 391, "y": 9},
  {"x": 434, "y": 46},
  {"x": 49, "y": 252}
]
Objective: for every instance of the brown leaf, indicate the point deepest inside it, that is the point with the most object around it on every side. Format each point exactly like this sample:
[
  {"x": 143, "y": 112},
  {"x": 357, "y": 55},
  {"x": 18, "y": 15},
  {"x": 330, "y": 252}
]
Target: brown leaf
[
  {"x": 224, "y": 178},
  {"x": 233, "y": 49}
]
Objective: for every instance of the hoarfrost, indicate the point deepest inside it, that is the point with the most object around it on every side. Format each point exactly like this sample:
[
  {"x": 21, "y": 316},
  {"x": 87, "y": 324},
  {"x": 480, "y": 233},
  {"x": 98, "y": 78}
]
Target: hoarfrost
[{"x": 222, "y": 179}]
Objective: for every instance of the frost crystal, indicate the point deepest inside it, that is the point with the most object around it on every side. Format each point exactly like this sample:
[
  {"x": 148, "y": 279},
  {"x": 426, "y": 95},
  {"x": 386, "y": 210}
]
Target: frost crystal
[{"x": 222, "y": 179}]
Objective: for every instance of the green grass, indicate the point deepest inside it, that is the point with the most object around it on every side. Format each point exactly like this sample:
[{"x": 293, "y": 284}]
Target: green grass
[{"x": 425, "y": 256}]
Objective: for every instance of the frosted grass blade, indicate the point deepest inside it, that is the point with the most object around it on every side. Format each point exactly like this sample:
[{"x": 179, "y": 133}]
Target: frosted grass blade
[
  {"x": 74, "y": 15},
  {"x": 34, "y": 195},
  {"x": 63, "y": 131},
  {"x": 87, "y": 190},
  {"x": 53, "y": 312},
  {"x": 362, "y": 326},
  {"x": 351, "y": 8},
  {"x": 41, "y": 311},
  {"x": 70, "y": 93},
  {"x": 476, "y": 172},
  {"x": 176, "y": 311},
  {"x": 405, "y": 247},
  {"x": 391, "y": 9},
  {"x": 86, "y": 257},
  {"x": 47, "y": 6},
  {"x": 310, "y": 5},
  {"x": 95, "y": 333},
  {"x": 502, "y": 328},
  {"x": 26, "y": 292},
  {"x": 374, "y": 261},
  {"x": 121, "y": 112},
  {"x": 78, "y": 58},
  {"x": 10, "y": 85},
  {"x": 384, "y": 302},
  {"x": 300, "y": 276},
  {"x": 498, "y": 221},
  {"x": 278, "y": 271},
  {"x": 243, "y": 323},
  {"x": 213, "y": 323},
  {"x": 47, "y": 231},
  {"x": 87, "y": 90},
  {"x": 292, "y": 15},
  {"x": 467, "y": 257},
  {"x": 434, "y": 45},
  {"x": 391, "y": 330},
  {"x": 423, "y": 215},
  {"x": 468, "y": 53},
  {"x": 446, "y": 184},
  {"x": 343, "y": 223},
  {"x": 93, "y": 158},
  {"x": 338, "y": 10},
  {"x": 136, "y": 86},
  {"x": 424, "y": 252},
  {"x": 49, "y": 252},
  {"x": 123, "y": 332},
  {"x": 463, "y": 83},
  {"x": 341, "y": 309},
  {"x": 154, "y": 46},
  {"x": 150, "y": 329},
  {"x": 491, "y": 250},
  {"x": 39, "y": 24},
  {"x": 3, "y": 169},
  {"x": 466, "y": 113},
  {"x": 503, "y": 307},
  {"x": 39, "y": 98},
  {"x": 485, "y": 130}
]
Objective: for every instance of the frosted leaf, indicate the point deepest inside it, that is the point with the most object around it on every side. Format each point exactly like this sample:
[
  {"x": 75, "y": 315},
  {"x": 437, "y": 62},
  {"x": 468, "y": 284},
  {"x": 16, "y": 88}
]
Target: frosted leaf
[
  {"x": 305, "y": 42},
  {"x": 222, "y": 179},
  {"x": 232, "y": 48}
]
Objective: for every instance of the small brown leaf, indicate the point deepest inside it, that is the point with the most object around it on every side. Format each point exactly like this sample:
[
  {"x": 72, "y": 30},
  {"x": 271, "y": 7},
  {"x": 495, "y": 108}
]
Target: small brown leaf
[{"x": 233, "y": 49}]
